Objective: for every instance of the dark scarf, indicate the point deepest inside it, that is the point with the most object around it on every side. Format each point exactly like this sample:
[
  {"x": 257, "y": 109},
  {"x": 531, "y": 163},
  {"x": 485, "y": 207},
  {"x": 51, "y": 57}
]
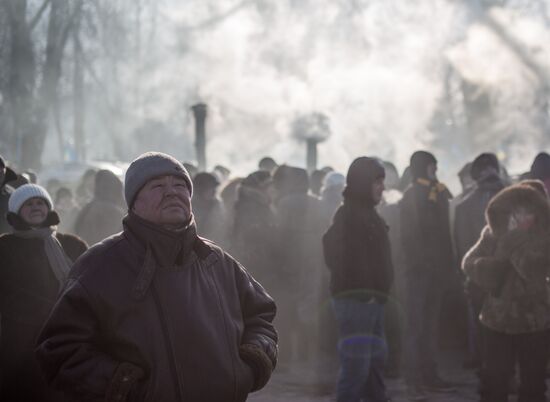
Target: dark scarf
[{"x": 169, "y": 248}]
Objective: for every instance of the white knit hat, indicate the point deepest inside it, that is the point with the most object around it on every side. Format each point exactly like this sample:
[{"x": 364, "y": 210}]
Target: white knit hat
[{"x": 26, "y": 192}]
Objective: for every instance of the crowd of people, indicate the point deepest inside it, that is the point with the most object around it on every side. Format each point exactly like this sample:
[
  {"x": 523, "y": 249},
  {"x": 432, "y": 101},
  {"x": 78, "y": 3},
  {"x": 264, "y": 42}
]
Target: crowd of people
[{"x": 372, "y": 273}]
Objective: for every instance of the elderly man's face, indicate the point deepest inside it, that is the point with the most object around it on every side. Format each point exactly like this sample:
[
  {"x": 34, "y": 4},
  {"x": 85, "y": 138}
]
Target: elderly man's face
[{"x": 165, "y": 201}]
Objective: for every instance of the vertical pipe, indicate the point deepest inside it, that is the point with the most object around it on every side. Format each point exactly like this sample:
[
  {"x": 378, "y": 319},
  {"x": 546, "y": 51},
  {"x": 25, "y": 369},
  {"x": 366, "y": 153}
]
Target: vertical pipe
[
  {"x": 311, "y": 158},
  {"x": 199, "y": 113}
]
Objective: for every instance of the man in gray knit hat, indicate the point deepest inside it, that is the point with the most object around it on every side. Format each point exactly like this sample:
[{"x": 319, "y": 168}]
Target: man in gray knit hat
[{"x": 156, "y": 312}]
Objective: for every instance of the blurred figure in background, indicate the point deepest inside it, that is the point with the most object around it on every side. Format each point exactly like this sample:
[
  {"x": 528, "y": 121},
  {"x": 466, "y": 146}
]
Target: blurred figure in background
[
  {"x": 67, "y": 209},
  {"x": 253, "y": 228},
  {"x": 331, "y": 195},
  {"x": 102, "y": 216},
  {"x": 299, "y": 255},
  {"x": 540, "y": 169},
  {"x": 208, "y": 208},
  {"x": 316, "y": 182},
  {"x": 510, "y": 264},
  {"x": 470, "y": 220},
  {"x": 229, "y": 195},
  {"x": 191, "y": 168},
  {"x": 267, "y": 164},
  {"x": 85, "y": 190},
  {"x": 30, "y": 176},
  {"x": 358, "y": 253},
  {"x": 7, "y": 176},
  {"x": 36, "y": 260},
  {"x": 426, "y": 240},
  {"x": 331, "y": 199},
  {"x": 389, "y": 211},
  {"x": 222, "y": 173}
]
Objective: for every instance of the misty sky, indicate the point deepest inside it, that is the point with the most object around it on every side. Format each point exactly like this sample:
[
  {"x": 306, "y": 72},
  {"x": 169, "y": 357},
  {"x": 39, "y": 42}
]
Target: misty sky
[{"x": 387, "y": 73}]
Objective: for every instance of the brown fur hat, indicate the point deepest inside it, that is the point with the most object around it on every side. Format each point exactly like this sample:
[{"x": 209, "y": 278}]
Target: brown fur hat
[{"x": 529, "y": 194}]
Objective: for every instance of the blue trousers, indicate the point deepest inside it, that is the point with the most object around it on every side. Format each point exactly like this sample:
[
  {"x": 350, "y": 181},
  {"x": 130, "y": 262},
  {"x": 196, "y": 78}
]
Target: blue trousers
[{"x": 362, "y": 349}]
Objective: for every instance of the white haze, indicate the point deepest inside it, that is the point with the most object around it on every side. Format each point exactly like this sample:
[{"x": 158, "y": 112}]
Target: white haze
[{"x": 376, "y": 68}]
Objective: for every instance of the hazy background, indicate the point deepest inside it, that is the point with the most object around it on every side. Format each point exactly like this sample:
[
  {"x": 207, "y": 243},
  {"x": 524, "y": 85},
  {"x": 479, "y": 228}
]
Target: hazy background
[{"x": 457, "y": 77}]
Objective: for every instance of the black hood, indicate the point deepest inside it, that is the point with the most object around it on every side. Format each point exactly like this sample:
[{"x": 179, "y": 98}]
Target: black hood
[
  {"x": 420, "y": 161},
  {"x": 362, "y": 173}
]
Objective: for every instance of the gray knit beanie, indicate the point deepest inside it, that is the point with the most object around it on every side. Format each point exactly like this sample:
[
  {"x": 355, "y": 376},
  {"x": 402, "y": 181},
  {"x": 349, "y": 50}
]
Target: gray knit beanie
[
  {"x": 25, "y": 193},
  {"x": 147, "y": 166}
]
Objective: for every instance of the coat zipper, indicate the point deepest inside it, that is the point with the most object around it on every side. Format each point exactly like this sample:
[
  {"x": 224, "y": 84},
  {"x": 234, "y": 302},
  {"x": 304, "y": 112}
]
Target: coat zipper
[{"x": 169, "y": 343}]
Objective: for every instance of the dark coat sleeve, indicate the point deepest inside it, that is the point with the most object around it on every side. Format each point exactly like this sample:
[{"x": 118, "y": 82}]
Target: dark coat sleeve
[
  {"x": 259, "y": 340},
  {"x": 70, "y": 356}
]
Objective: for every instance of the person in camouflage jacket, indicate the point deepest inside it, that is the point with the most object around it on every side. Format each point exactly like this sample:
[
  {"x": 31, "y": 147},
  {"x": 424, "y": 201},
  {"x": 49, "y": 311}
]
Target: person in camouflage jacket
[{"x": 511, "y": 262}]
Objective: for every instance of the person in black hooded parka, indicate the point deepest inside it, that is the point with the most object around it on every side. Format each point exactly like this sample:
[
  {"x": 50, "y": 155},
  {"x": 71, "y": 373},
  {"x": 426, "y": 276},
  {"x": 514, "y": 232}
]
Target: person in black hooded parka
[
  {"x": 358, "y": 254},
  {"x": 426, "y": 240}
]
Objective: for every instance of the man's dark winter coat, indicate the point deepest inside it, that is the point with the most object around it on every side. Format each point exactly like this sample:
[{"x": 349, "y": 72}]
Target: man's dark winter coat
[
  {"x": 356, "y": 246},
  {"x": 28, "y": 291},
  {"x": 156, "y": 315},
  {"x": 425, "y": 231}
]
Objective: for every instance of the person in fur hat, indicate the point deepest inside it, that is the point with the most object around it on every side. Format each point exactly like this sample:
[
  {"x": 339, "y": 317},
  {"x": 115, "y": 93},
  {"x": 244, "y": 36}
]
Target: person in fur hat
[
  {"x": 511, "y": 263},
  {"x": 35, "y": 264},
  {"x": 427, "y": 247}
]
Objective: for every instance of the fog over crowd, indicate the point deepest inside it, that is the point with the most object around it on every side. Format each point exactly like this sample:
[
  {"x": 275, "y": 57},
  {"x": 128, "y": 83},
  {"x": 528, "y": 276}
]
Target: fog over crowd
[{"x": 374, "y": 175}]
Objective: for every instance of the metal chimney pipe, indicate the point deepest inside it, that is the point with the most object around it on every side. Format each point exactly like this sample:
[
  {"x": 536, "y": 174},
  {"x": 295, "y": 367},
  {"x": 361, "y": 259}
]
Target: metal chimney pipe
[
  {"x": 200, "y": 110},
  {"x": 311, "y": 157}
]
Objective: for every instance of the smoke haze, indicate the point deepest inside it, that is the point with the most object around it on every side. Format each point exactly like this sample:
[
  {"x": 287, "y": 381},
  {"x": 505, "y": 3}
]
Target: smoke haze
[{"x": 391, "y": 75}]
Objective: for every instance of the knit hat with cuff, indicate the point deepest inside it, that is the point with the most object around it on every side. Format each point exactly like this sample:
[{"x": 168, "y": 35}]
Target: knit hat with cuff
[
  {"x": 147, "y": 166},
  {"x": 25, "y": 193}
]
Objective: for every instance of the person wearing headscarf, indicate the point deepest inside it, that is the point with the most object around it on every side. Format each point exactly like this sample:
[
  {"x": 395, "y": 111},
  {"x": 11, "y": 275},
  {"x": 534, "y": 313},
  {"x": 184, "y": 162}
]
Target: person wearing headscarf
[{"x": 36, "y": 260}]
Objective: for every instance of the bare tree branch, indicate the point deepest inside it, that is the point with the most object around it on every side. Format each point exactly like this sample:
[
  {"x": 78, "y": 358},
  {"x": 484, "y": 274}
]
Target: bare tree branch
[
  {"x": 70, "y": 24},
  {"x": 38, "y": 15}
]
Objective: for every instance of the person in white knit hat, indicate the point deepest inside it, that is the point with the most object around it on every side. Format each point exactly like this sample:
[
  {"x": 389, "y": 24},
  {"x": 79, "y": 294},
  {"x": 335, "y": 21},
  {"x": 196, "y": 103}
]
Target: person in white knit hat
[{"x": 35, "y": 265}]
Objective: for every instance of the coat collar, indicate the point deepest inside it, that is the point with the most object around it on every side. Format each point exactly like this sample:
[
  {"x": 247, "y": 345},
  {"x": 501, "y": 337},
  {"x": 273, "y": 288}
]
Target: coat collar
[{"x": 169, "y": 248}]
